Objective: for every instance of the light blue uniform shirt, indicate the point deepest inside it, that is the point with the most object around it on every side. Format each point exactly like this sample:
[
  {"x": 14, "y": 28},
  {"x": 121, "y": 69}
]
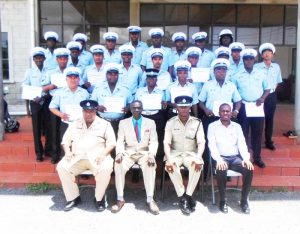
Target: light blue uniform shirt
[
  {"x": 251, "y": 86},
  {"x": 50, "y": 62},
  {"x": 233, "y": 68},
  {"x": 47, "y": 80},
  {"x": 86, "y": 58},
  {"x": 92, "y": 70},
  {"x": 139, "y": 123},
  {"x": 177, "y": 57},
  {"x": 131, "y": 77},
  {"x": 161, "y": 74},
  {"x": 273, "y": 74},
  {"x": 139, "y": 50},
  {"x": 114, "y": 57},
  {"x": 212, "y": 92},
  {"x": 167, "y": 59},
  {"x": 103, "y": 91},
  {"x": 34, "y": 76},
  {"x": 206, "y": 58},
  {"x": 189, "y": 86},
  {"x": 64, "y": 96}
]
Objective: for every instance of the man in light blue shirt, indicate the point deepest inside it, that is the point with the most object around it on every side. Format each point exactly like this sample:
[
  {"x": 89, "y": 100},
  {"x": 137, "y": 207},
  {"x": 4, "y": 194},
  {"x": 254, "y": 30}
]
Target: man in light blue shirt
[
  {"x": 236, "y": 63},
  {"x": 253, "y": 88},
  {"x": 85, "y": 57},
  {"x": 207, "y": 56},
  {"x": 273, "y": 75},
  {"x": 39, "y": 106},
  {"x": 130, "y": 73},
  {"x": 111, "y": 54},
  {"x": 179, "y": 40},
  {"x": 156, "y": 35},
  {"x": 94, "y": 74},
  {"x": 51, "y": 40},
  {"x": 139, "y": 46},
  {"x": 193, "y": 54},
  {"x": 111, "y": 89}
]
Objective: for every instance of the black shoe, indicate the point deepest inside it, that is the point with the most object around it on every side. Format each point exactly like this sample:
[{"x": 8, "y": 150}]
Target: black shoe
[
  {"x": 184, "y": 206},
  {"x": 71, "y": 204},
  {"x": 100, "y": 205},
  {"x": 260, "y": 163},
  {"x": 39, "y": 158},
  {"x": 54, "y": 160},
  {"x": 270, "y": 146},
  {"x": 223, "y": 207},
  {"x": 191, "y": 202},
  {"x": 245, "y": 207}
]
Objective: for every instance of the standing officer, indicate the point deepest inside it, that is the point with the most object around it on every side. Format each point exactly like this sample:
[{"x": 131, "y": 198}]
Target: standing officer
[
  {"x": 137, "y": 143},
  {"x": 225, "y": 37},
  {"x": 236, "y": 63},
  {"x": 184, "y": 144},
  {"x": 95, "y": 74},
  {"x": 273, "y": 75},
  {"x": 40, "y": 114},
  {"x": 139, "y": 46},
  {"x": 156, "y": 115},
  {"x": 179, "y": 40},
  {"x": 51, "y": 40},
  {"x": 253, "y": 87},
  {"x": 110, "y": 89},
  {"x": 156, "y": 35},
  {"x": 67, "y": 97},
  {"x": 207, "y": 56},
  {"x": 87, "y": 144},
  {"x": 85, "y": 57},
  {"x": 111, "y": 54},
  {"x": 229, "y": 149},
  {"x": 130, "y": 73},
  {"x": 215, "y": 92}
]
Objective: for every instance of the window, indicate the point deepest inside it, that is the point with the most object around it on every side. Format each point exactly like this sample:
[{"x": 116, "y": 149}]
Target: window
[
  {"x": 93, "y": 17},
  {"x": 5, "y": 62}
]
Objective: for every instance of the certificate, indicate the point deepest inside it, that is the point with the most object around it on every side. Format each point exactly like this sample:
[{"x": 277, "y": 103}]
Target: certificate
[
  {"x": 31, "y": 92},
  {"x": 217, "y": 105},
  {"x": 151, "y": 101},
  {"x": 58, "y": 80},
  {"x": 163, "y": 81},
  {"x": 200, "y": 74},
  {"x": 180, "y": 91},
  {"x": 74, "y": 112},
  {"x": 95, "y": 78},
  {"x": 114, "y": 104},
  {"x": 252, "y": 110}
]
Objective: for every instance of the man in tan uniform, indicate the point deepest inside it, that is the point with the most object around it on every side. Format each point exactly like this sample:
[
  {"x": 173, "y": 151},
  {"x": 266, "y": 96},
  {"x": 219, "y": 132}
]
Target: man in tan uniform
[
  {"x": 87, "y": 143},
  {"x": 184, "y": 144},
  {"x": 137, "y": 143}
]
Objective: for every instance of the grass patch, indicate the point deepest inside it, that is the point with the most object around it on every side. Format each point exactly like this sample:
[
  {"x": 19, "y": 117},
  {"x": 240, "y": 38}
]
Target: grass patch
[{"x": 40, "y": 187}]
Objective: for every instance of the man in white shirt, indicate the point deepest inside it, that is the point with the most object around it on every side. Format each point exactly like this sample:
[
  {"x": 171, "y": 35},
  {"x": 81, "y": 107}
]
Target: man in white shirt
[{"x": 228, "y": 148}]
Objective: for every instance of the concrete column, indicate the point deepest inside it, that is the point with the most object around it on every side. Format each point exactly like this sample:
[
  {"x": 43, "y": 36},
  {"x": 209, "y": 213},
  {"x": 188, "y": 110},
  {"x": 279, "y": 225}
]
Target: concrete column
[
  {"x": 134, "y": 11},
  {"x": 297, "y": 82}
]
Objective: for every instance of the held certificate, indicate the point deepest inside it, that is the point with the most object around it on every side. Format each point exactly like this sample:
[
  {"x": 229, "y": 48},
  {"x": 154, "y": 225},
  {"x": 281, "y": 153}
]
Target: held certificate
[
  {"x": 163, "y": 81},
  {"x": 31, "y": 92},
  {"x": 74, "y": 112},
  {"x": 217, "y": 105},
  {"x": 252, "y": 110},
  {"x": 95, "y": 78},
  {"x": 200, "y": 74},
  {"x": 114, "y": 104},
  {"x": 151, "y": 101},
  {"x": 58, "y": 80},
  {"x": 179, "y": 91}
]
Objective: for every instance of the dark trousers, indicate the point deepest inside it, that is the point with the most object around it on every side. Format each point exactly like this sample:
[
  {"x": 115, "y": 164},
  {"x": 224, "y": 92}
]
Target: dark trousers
[
  {"x": 269, "y": 108},
  {"x": 160, "y": 123},
  {"x": 55, "y": 131},
  {"x": 205, "y": 122},
  {"x": 255, "y": 125},
  {"x": 234, "y": 163},
  {"x": 40, "y": 117}
]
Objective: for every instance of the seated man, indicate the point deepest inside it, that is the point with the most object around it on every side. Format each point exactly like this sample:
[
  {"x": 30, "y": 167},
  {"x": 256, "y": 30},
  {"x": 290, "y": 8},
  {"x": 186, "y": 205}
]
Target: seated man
[
  {"x": 137, "y": 143},
  {"x": 87, "y": 144},
  {"x": 228, "y": 148},
  {"x": 184, "y": 144}
]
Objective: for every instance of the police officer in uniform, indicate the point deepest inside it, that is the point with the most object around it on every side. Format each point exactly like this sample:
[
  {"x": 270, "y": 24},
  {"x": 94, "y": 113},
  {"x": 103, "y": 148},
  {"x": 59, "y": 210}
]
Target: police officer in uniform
[
  {"x": 87, "y": 144},
  {"x": 179, "y": 40},
  {"x": 111, "y": 54},
  {"x": 207, "y": 56},
  {"x": 225, "y": 37},
  {"x": 40, "y": 114},
  {"x": 184, "y": 144},
  {"x": 236, "y": 63},
  {"x": 51, "y": 40},
  {"x": 85, "y": 57}
]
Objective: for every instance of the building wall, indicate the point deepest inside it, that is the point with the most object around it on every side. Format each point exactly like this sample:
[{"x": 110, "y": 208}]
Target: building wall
[{"x": 16, "y": 21}]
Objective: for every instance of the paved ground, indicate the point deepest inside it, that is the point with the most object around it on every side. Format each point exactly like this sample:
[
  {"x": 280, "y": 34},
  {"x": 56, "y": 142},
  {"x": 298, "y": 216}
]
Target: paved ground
[{"x": 25, "y": 212}]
